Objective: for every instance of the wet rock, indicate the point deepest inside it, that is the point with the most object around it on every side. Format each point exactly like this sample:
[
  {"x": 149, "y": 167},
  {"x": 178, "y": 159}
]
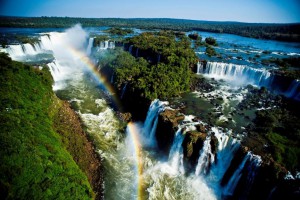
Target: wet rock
[
  {"x": 168, "y": 121},
  {"x": 126, "y": 117},
  {"x": 192, "y": 144}
]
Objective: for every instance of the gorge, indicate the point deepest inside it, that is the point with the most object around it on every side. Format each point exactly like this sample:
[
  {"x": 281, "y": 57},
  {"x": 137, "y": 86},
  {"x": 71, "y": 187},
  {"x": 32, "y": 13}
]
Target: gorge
[{"x": 204, "y": 144}]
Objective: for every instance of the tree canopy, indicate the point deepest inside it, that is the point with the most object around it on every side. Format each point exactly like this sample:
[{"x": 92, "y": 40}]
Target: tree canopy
[{"x": 161, "y": 68}]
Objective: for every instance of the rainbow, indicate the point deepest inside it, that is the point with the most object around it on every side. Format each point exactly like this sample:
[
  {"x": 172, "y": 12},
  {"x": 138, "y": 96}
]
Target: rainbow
[
  {"x": 132, "y": 129},
  {"x": 134, "y": 133},
  {"x": 101, "y": 79}
]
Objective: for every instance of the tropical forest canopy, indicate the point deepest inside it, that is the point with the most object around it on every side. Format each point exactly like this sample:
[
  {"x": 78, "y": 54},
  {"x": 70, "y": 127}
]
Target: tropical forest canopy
[{"x": 287, "y": 32}]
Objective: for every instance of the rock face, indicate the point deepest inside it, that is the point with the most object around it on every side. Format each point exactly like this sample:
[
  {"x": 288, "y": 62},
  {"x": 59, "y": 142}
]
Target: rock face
[
  {"x": 192, "y": 144},
  {"x": 168, "y": 121},
  {"x": 201, "y": 84},
  {"x": 68, "y": 125}
]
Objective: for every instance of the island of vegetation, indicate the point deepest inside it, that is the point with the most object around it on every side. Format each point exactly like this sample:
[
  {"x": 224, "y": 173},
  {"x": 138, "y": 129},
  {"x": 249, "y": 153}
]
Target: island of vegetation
[{"x": 44, "y": 153}]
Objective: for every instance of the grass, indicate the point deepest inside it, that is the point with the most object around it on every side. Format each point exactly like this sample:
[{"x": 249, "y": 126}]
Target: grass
[{"x": 34, "y": 162}]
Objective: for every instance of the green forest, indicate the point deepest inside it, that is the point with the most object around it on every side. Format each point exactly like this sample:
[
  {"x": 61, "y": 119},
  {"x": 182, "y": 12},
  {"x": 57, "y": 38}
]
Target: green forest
[
  {"x": 161, "y": 68},
  {"x": 35, "y": 163},
  {"x": 286, "y": 32}
]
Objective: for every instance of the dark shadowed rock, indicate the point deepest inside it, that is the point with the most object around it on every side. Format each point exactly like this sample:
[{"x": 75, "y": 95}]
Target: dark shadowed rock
[{"x": 168, "y": 121}]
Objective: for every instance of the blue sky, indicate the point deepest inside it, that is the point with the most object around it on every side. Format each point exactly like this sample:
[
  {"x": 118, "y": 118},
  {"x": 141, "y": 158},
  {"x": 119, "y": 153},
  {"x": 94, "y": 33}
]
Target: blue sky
[{"x": 273, "y": 11}]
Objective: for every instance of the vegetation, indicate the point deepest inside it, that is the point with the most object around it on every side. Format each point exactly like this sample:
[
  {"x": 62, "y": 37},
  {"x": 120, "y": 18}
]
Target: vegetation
[
  {"x": 100, "y": 38},
  {"x": 211, "y": 41},
  {"x": 34, "y": 162},
  {"x": 19, "y": 39},
  {"x": 210, "y": 51},
  {"x": 119, "y": 31},
  {"x": 276, "y": 130},
  {"x": 288, "y": 67},
  {"x": 163, "y": 68},
  {"x": 281, "y": 129},
  {"x": 287, "y": 32}
]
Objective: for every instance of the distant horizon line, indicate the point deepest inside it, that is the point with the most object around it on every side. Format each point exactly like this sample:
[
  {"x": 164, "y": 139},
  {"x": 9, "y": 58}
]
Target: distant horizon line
[{"x": 151, "y": 18}]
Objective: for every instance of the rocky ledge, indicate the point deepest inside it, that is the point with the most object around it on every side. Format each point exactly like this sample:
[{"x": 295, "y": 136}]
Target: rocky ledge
[{"x": 68, "y": 125}]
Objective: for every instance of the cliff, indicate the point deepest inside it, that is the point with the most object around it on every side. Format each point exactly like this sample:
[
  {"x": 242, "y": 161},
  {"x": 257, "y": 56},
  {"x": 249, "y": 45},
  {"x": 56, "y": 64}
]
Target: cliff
[{"x": 44, "y": 152}]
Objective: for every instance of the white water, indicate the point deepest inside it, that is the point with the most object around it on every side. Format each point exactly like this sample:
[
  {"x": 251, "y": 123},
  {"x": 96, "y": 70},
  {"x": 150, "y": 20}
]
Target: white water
[
  {"x": 123, "y": 90},
  {"x": 130, "y": 49},
  {"x": 238, "y": 74},
  {"x": 162, "y": 179},
  {"x": 90, "y": 46},
  {"x": 199, "y": 68},
  {"x": 104, "y": 45},
  {"x": 150, "y": 123},
  {"x": 176, "y": 152},
  {"x": 294, "y": 90},
  {"x": 206, "y": 158}
]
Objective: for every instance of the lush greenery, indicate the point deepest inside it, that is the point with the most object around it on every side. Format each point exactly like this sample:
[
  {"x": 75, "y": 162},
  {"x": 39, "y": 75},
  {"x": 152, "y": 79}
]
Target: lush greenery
[
  {"x": 34, "y": 162},
  {"x": 210, "y": 51},
  {"x": 100, "y": 38},
  {"x": 162, "y": 68},
  {"x": 288, "y": 66},
  {"x": 211, "y": 41},
  {"x": 281, "y": 129},
  {"x": 19, "y": 39},
  {"x": 288, "y": 32},
  {"x": 277, "y": 129},
  {"x": 119, "y": 31}
]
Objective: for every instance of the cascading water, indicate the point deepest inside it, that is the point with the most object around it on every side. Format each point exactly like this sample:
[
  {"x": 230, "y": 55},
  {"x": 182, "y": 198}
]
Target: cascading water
[
  {"x": 249, "y": 165},
  {"x": 130, "y": 49},
  {"x": 123, "y": 90},
  {"x": 206, "y": 158},
  {"x": 150, "y": 123},
  {"x": 294, "y": 90},
  {"x": 199, "y": 68},
  {"x": 161, "y": 178},
  {"x": 176, "y": 152},
  {"x": 238, "y": 74},
  {"x": 90, "y": 46},
  {"x": 137, "y": 52},
  {"x": 104, "y": 45}
]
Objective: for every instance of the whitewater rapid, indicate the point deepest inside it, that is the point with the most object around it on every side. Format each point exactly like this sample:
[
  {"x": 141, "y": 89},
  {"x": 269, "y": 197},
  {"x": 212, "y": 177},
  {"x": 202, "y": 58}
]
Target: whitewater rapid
[{"x": 133, "y": 166}]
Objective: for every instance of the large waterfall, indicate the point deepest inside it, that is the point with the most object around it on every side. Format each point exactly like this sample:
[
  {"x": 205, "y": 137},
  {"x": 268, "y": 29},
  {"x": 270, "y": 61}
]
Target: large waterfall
[
  {"x": 158, "y": 176},
  {"x": 151, "y": 121},
  {"x": 238, "y": 74},
  {"x": 211, "y": 167}
]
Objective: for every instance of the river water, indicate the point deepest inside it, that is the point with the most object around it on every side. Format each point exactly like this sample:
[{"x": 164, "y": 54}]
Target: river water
[{"x": 133, "y": 167}]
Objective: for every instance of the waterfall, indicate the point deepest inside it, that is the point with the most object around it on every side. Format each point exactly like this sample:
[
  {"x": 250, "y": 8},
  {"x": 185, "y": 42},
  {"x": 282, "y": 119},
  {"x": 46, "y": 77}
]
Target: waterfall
[
  {"x": 254, "y": 163},
  {"x": 206, "y": 158},
  {"x": 199, "y": 68},
  {"x": 104, "y": 45},
  {"x": 158, "y": 58},
  {"x": 112, "y": 78},
  {"x": 294, "y": 90},
  {"x": 18, "y": 51},
  {"x": 249, "y": 165},
  {"x": 137, "y": 52},
  {"x": 235, "y": 178},
  {"x": 130, "y": 49},
  {"x": 238, "y": 74},
  {"x": 90, "y": 45},
  {"x": 123, "y": 90},
  {"x": 151, "y": 121},
  {"x": 227, "y": 147},
  {"x": 112, "y": 45},
  {"x": 176, "y": 152}
]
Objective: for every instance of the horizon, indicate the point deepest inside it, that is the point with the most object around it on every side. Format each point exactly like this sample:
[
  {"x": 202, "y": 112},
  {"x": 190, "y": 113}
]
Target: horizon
[
  {"x": 152, "y": 18},
  {"x": 254, "y": 11}
]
